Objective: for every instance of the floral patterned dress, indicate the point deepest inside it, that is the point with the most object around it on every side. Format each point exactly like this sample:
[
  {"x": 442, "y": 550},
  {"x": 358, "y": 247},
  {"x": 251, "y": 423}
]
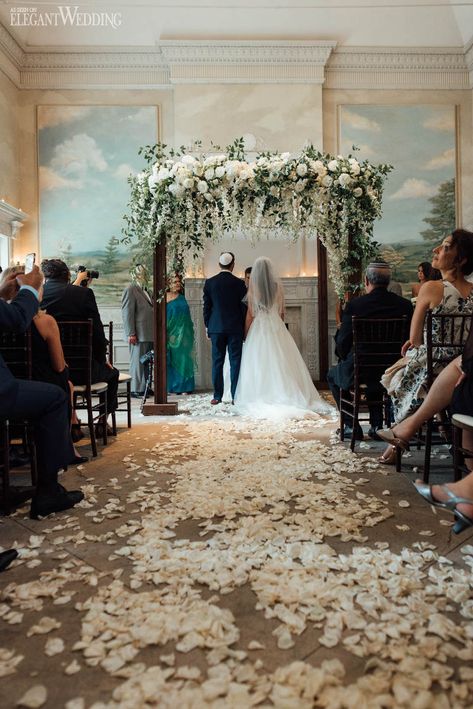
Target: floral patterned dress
[{"x": 407, "y": 385}]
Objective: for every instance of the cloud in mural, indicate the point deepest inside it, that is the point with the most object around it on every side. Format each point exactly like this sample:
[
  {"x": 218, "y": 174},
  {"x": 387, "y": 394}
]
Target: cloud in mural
[
  {"x": 49, "y": 116},
  {"x": 443, "y": 160},
  {"x": 50, "y": 180},
  {"x": 414, "y": 189},
  {"x": 354, "y": 120},
  {"x": 443, "y": 121},
  {"x": 78, "y": 157},
  {"x": 123, "y": 171},
  {"x": 140, "y": 115}
]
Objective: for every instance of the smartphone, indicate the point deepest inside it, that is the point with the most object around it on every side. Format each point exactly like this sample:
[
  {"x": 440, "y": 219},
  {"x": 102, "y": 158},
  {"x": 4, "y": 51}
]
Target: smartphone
[{"x": 29, "y": 262}]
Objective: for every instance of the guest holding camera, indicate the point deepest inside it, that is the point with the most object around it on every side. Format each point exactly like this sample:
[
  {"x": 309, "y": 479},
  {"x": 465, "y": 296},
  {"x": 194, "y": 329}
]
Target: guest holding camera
[
  {"x": 65, "y": 301},
  {"x": 137, "y": 316}
]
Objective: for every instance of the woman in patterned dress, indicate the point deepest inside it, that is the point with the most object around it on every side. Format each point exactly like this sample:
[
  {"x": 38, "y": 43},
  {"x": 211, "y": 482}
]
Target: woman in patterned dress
[{"x": 453, "y": 294}]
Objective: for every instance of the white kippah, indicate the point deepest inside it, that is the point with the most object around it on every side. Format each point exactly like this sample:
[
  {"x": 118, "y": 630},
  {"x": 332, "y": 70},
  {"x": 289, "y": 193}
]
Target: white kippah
[{"x": 225, "y": 259}]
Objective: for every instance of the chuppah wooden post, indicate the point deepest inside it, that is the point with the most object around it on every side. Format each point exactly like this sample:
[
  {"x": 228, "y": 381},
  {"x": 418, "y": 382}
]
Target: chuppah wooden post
[{"x": 161, "y": 406}]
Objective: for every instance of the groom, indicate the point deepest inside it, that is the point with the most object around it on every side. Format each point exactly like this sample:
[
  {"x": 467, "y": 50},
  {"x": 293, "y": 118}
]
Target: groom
[{"x": 224, "y": 318}]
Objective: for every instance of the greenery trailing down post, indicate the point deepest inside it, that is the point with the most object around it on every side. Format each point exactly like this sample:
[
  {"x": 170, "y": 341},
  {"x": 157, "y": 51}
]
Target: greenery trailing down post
[{"x": 185, "y": 200}]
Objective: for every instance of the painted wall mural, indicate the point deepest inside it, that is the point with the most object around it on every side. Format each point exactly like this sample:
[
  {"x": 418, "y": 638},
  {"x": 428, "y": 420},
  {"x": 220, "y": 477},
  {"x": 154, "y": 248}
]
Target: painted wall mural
[
  {"x": 85, "y": 154},
  {"x": 419, "y": 198}
]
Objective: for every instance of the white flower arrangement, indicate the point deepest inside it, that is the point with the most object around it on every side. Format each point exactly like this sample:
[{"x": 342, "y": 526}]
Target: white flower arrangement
[{"x": 186, "y": 200}]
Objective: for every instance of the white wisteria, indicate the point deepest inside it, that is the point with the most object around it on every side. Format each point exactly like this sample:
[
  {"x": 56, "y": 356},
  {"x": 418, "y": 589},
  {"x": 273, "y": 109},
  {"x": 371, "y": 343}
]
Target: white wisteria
[{"x": 185, "y": 200}]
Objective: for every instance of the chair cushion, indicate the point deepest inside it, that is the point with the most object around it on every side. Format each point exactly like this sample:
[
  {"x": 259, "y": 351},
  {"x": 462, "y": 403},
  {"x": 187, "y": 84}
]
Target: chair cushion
[
  {"x": 463, "y": 421},
  {"x": 124, "y": 377},
  {"x": 96, "y": 388}
]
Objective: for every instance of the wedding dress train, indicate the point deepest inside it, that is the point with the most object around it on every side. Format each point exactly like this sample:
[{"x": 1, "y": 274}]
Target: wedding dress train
[{"x": 274, "y": 381}]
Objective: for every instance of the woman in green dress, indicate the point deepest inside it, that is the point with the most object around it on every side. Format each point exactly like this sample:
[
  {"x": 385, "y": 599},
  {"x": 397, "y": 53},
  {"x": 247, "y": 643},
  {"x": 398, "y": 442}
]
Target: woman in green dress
[{"x": 180, "y": 340}]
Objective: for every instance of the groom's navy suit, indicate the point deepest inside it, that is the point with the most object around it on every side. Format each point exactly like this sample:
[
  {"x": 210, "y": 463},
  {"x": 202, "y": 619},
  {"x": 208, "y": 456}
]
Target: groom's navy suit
[{"x": 224, "y": 318}]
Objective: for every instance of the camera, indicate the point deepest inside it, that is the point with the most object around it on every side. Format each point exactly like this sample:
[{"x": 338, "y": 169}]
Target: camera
[
  {"x": 90, "y": 274},
  {"x": 147, "y": 358}
]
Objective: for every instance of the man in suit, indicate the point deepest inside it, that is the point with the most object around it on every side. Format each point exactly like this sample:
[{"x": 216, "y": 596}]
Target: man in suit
[
  {"x": 44, "y": 404},
  {"x": 224, "y": 318},
  {"x": 69, "y": 302},
  {"x": 137, "y": 316},
  {"x": 378, "y": 302}
]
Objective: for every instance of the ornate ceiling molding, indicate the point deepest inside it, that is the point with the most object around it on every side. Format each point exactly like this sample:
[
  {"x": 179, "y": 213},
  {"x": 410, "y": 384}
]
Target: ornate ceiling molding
[
  {"x": 245, "y": 61},
  {"x": 393, "y": 68},
  {"x": 469, "y": 61},
  {"x": 248, "y": 61}
]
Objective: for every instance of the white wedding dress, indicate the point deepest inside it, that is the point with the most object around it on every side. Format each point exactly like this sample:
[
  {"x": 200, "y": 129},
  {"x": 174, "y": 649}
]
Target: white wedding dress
[{"x": 274, "y": 381}]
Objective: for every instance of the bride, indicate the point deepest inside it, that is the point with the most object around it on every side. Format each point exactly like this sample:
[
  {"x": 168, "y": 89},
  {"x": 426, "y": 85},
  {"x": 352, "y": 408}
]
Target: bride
[{"x": 274, "y": 381}]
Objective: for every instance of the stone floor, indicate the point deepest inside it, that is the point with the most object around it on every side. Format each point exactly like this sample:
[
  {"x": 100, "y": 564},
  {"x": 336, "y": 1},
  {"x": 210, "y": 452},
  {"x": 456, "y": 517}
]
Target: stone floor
[{"x": 230, "y": 563}]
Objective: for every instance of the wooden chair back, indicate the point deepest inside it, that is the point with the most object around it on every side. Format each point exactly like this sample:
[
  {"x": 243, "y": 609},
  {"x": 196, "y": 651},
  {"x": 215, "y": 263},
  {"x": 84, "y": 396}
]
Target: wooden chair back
[{"x": 16, "y": 351}]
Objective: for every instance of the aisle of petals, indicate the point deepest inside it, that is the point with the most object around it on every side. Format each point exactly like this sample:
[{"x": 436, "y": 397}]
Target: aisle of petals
[{"x": 287, "y": 519}]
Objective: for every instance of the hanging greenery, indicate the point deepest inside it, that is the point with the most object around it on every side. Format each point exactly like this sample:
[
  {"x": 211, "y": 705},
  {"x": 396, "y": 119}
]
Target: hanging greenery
[{"x": 186, "y": 200}]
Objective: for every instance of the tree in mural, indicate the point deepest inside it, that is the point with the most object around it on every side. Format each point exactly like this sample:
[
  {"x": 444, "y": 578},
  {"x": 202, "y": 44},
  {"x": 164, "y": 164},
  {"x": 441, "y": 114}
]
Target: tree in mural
[
  {"x": 442, "y": 216},
  {"x": 111, "y": 257},
  {"x": 64, "y": 251}
]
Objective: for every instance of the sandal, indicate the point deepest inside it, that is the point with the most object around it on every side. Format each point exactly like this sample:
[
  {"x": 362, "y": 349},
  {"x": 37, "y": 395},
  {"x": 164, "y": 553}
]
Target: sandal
[
  {"x": 388, "y": 435},
  {"x": 450, "y": 504},
  {"x": 462, "y": 522},
  {"x": 388, "y": 457}
]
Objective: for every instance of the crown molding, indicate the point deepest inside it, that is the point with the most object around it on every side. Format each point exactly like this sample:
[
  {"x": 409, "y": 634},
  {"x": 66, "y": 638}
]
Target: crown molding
[
  {"x": 397, "y": 68},
  {"x": 244, "y": 61},
  {"x": 469, "y": 61}
]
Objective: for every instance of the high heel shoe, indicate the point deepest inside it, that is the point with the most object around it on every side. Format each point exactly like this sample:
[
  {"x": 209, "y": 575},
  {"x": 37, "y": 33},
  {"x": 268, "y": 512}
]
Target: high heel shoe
[
  {"x": 388, "y": 457},
  {"x": 462, "y": 522},
  {"x": 451, "y": 504},
  {"x": 388, "y": 435}
]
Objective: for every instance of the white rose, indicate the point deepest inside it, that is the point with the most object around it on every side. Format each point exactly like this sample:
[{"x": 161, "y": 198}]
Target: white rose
[
  {"x": 318, "y": 166},
  {"x": 152, "y": 181},
  {"x": 301, "y": 169},
  {"x": 333, "y": 165},
  {"x": 246, "y": 174},
  {"x": 173, "y": 187},
  {"x": 219, "y": 171},
  {"x": 355, "y": 167},
  {"x": 300, "y": 184},
  {"x": 344, "y": 180},
  {"x": 327, "y": 181},
  {"x": 177, "y": 166},
  {"x": 208, "y": 197},
  {"x": 209, "y": 173},
  {"x": 198, "y": 170},
  {"x": 163, "y": 174},
  {"x": 357, "y": 191},
  {"x": 202, "y": 186},
  {"x": 188, "y": 183}
]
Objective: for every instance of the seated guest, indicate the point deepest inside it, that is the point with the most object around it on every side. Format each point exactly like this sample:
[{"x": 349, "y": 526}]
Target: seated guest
[
  {"x": 48, "y": 364},
  {"x": 406, "y": 381},
  {"x": 425, "y": 272},
  {"x": 453, "y": 388},
  {"x": 377, "y": 302},
  {"x": 68, "y": 302},
  {"x": 45, "y": 405}
]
